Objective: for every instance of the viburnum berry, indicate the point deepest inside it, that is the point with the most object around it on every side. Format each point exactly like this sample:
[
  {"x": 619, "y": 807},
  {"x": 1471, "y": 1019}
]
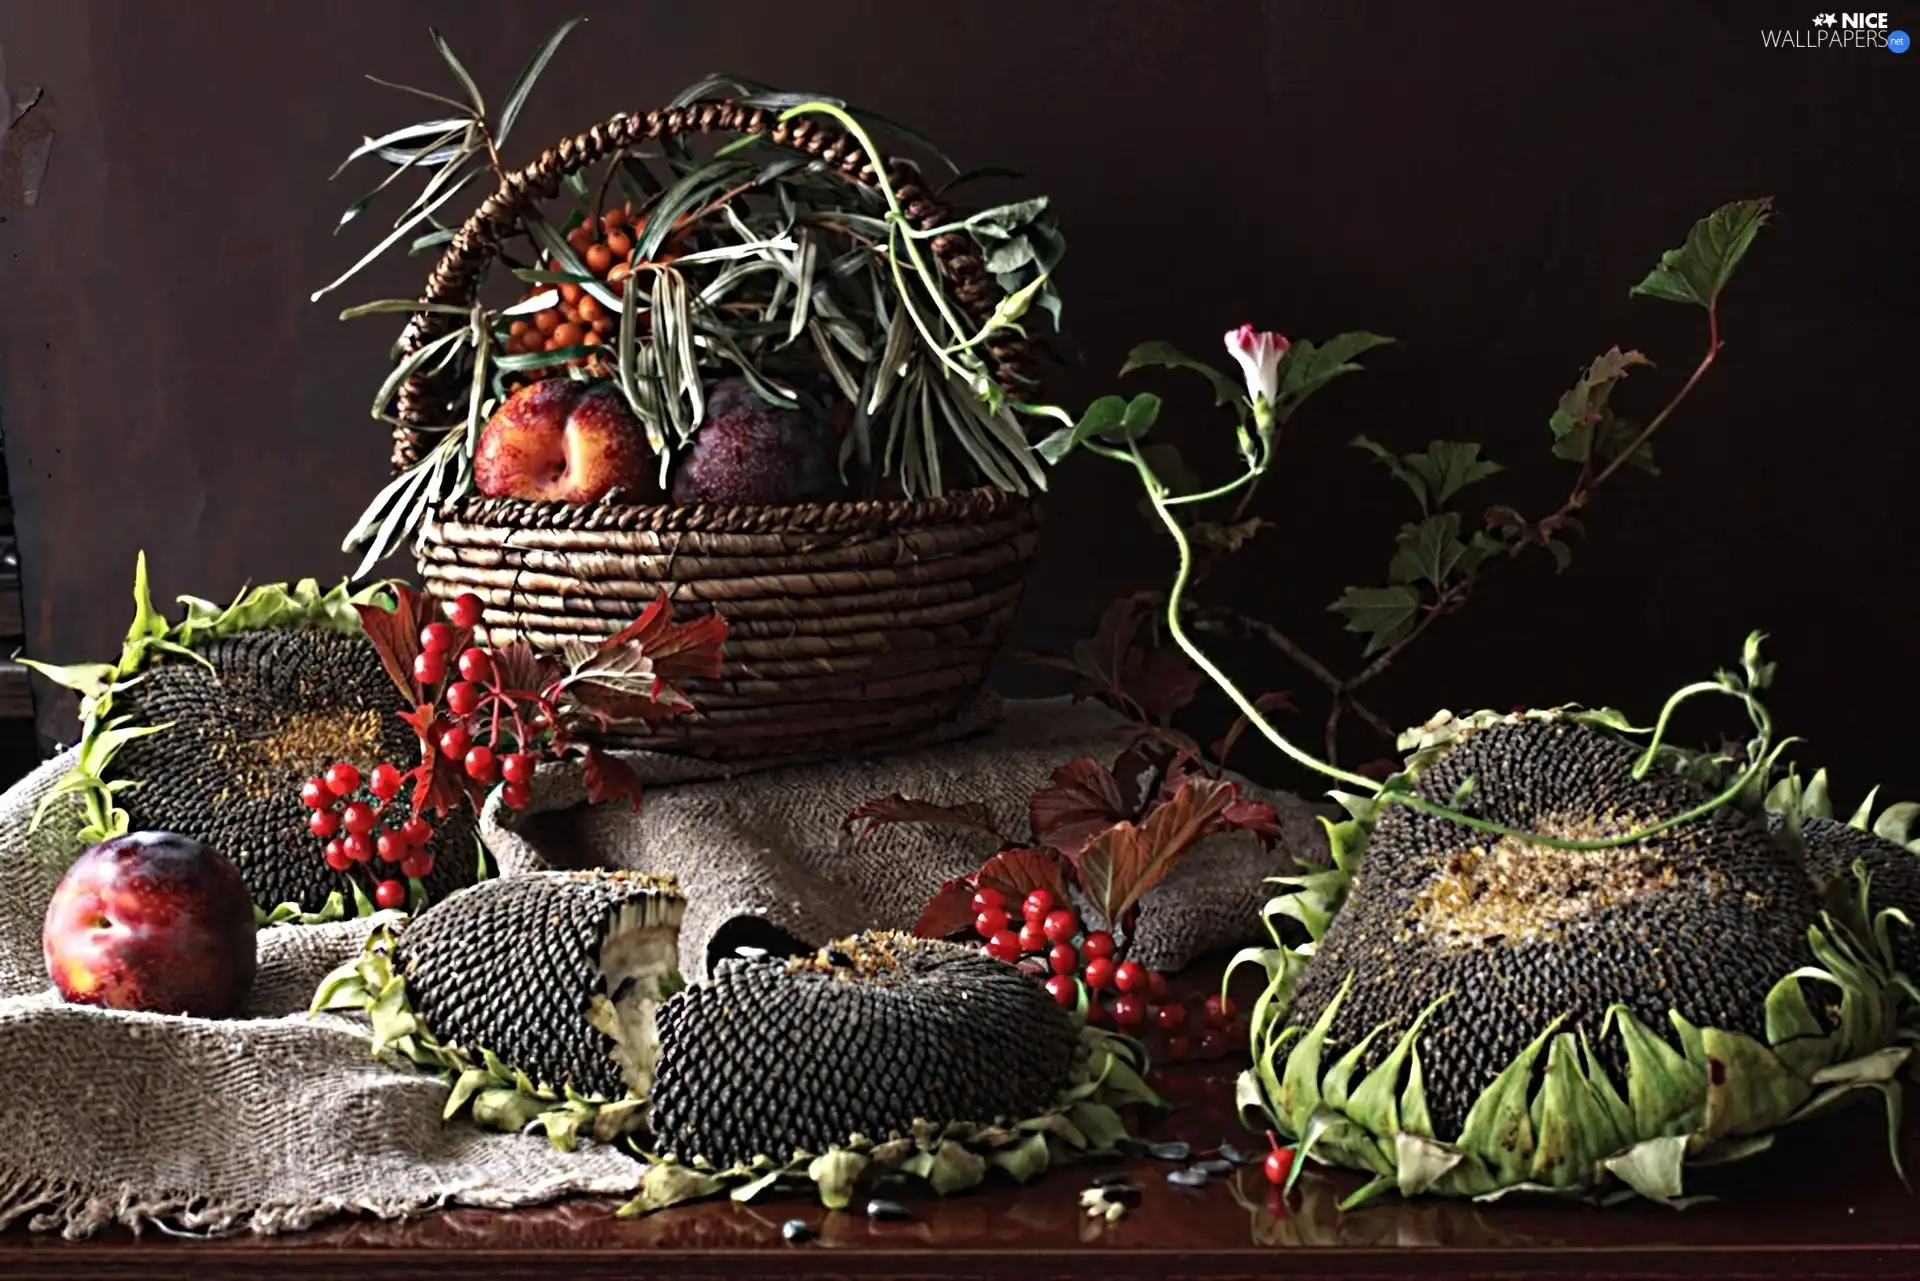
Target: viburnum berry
[
  {"x": 390, "y": 894},
  {"x": 1099, "y": 973},
  {"x": 1061, "y": 925},
  {"x": 463, "y": 698},
  {"x": 1063, "y": 989},
  {"x": 359, "y": 848},
  {"x": 986, "y": 897},
  {"x": 516, "y": 796},
  {"x": 336, "y": 856},
  {"x": 1130, "y": 976},
  {"x": 1238, "y": 1033},
  {"x": 1171, "y": 1017},
  {"x": 323, "y": 823},
  {"x": 1038, "y": 904},
  {"x": 357, "y": 817},
  {"x": 517, "y": 767},
  {"x": 385, "y": 781},
  {"x": 990, "y": 922},
  {"x": 342, "y": 779},
  {"x": 1156, "y": 986},
  {"x": 391, "y": 847},
  {"x": 465, "y": 610},
  {"x": 417, "y": 865},
  {"x": 475, "y": 665},
  {"x": 1213, "y": 1043},
  {"x": 429, "y": 668},
  {"x": 1180, "y": 1047},
  {"x": 1219, "y": 1010},
  {"x": 1063, "y": 958},
  {"x": 1098, "y": 943},
  {"x": 417, "y": 830},
  {"x": 454, "y": 744},
  {"x": 481, "y": 766},
  {"x": 1033, "y": 937},
  {"x": 1004, "y": 946},
  {"x": 1097, "y": 1013},
  {"x": 1279, "y": 1162},
  {"x": 315, "y": 794},
  {"x": 1129, "y": 1011},
  {"x": 436, "y": 638}
]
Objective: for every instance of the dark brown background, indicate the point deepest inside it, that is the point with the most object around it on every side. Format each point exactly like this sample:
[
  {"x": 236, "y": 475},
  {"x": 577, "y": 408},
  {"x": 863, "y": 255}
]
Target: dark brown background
[{"x": 1482, "y": 181}]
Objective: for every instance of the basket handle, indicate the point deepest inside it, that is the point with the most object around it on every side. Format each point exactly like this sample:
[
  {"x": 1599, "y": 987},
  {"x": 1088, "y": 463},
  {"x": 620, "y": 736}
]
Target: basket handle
[{"x": 456, "y": 277}]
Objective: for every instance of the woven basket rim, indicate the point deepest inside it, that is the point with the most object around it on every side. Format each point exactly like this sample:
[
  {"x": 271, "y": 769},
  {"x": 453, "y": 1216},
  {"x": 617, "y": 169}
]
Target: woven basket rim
[{"x": 854, "y": 515}]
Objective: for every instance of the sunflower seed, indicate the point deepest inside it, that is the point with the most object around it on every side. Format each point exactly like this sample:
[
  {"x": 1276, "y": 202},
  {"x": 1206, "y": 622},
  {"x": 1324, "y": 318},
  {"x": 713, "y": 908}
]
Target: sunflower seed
[
  {"x": 1112, "y": 1179},
  {"x": 1215, "y": 1167},
  {"x": 1178, "y": 1151},
  {"x": 1228, "y": 1152},
  {"x": 881, "y": 1208},
  {"x": 1187, "y": 1178},
  {"x": 796, "y": 1231}
]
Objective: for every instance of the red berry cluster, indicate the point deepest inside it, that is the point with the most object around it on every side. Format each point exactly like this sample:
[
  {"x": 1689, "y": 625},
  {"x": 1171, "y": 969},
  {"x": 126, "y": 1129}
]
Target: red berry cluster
[
  {"x": 384, "y": 824},
  {"x": 358, "y": 831},
  {"x": 1050, "y": 940}
]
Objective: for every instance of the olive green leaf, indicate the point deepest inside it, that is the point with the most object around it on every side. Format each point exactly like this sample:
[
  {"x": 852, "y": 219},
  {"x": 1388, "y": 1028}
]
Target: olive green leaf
[
  {"x": 1583, "y": 421},
  {"x": 1308, "y": 367},
  {"x": 1699, "y": 269},
  {"x": 1382, "y": 614},
  {"x": 1226, "y": 390},
  {"x": 1428, "y": 552}
]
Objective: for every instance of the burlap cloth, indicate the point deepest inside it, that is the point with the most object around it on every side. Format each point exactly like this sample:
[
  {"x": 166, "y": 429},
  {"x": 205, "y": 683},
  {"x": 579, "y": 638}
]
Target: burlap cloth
[{"x": 276, "y": 1121}]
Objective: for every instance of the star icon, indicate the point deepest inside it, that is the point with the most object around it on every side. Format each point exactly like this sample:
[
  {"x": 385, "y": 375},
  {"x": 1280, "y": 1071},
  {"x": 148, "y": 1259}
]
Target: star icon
[{"x": 1824, "y": 20}]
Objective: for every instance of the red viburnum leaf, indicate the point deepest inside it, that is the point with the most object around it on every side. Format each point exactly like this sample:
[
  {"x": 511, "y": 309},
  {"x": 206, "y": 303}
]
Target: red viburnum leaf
[
  {"x": 1256, "y": 817},
  {"x": 1017, "y": 873},
  {"x": 1102, "y": 657},
  {"x": 1083, "y": 798},
  {"x": 1121, "y": 864},
  {"x": 1160, "y": 681},
  {"x": 395, "y": 633},
  {"x": 523, "y": 674},
  {"x": 608, "y": 778},
  {"x": 868, "y": 816},
  {"x": 949, "y": 911},
  {"x": 633, "y": 672},
  {"x": 1273, "y": 701}
]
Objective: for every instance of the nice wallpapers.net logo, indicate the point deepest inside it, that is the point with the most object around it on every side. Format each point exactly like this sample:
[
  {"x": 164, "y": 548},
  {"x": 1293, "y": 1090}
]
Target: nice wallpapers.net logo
[{"x": 1840, "y": 31}]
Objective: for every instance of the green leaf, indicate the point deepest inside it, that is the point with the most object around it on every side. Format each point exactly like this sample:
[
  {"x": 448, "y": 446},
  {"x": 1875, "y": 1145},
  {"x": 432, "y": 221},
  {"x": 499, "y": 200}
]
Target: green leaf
[
  {"x": 1698, "y": 270},
  {"x": 1114, "y": 419},
  {"x": 1411, "y": 479},
  {"x": 1382, "y": 614},
  {"x": 523, "y": 87},
  {"x": 1583, "y": 418},
  {"x": 1226, "y": 391},
  {"x": 1307, "y": 367},
  {"x": 1447, "y": 467},
  {"x": 1428, "y": 552},
  {"x": 459, "y": 72}
]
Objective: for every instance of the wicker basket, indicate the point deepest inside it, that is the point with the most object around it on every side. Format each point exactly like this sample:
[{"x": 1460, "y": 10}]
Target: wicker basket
[{"x": 851, "y": 624}]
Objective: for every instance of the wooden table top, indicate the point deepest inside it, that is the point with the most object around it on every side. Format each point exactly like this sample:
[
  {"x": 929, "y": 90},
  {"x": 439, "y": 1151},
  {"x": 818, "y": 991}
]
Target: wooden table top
[{"x": 1824, "y": 1202}]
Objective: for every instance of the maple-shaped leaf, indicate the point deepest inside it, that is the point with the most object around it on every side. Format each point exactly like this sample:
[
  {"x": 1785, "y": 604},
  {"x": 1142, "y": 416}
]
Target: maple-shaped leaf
[
  {"x": 1583, "y": 413},
  {"x": 1382, "y": 614},
  {"x": 1083, "y": 799},
  {"x": 1255, "y": 817},
  {"x": 522, "y": 672},
  {"x": 1159, "y": 681},
  {"x": 395, "y": 633},
  {"x": 1277, "y": 700},
  {"x": 1015, "y": 873},
  {"x": 632, "y": 673},
  {"x": 882, "y": 811},
  {"x": 1699, "y": 269},
  {"x": 1118, "y": 866},
  {"x": 608, "y": 778},
  {"x": 441, "y": 783}
]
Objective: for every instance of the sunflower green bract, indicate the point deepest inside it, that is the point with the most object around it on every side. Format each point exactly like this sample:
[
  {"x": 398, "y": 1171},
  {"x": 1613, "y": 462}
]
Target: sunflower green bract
[{"x": 1479, "y": 1015}]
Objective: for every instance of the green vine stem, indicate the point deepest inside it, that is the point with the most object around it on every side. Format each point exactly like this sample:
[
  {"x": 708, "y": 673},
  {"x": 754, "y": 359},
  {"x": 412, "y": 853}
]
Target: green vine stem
[{"x": 1399, "y": 789}]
